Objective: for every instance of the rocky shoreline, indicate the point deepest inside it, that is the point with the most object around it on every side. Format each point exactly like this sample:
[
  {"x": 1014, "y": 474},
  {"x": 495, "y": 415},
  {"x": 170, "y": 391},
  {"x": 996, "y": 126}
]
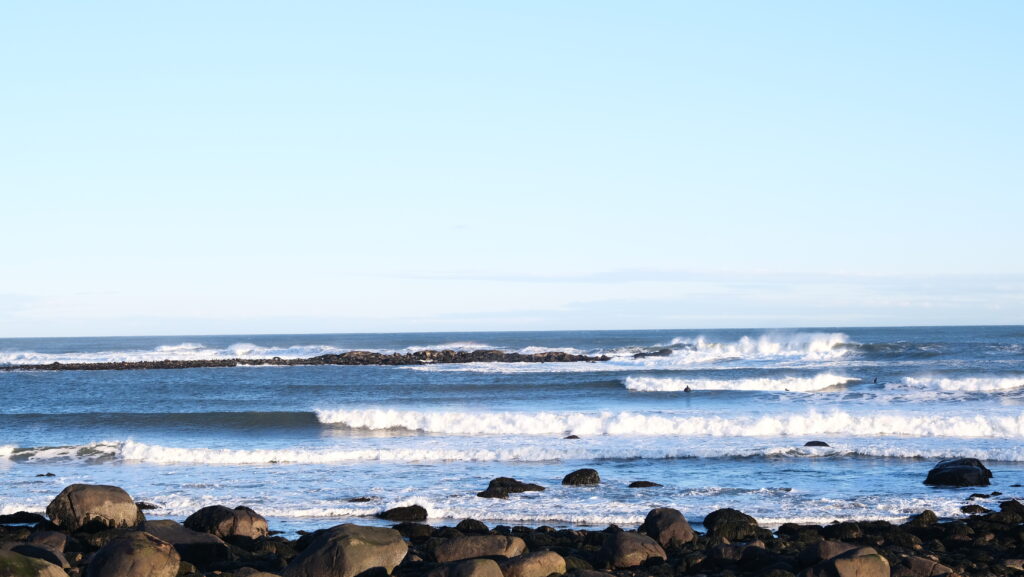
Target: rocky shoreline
[
  {"x": 100, "y": 531},
  {"x": 360, "y": 358}
]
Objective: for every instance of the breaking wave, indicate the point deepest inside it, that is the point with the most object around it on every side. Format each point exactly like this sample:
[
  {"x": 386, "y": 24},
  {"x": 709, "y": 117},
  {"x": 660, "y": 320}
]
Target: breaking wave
[
  {"x": 796, "y": 384},
  {"x": 967, "y": 384},
  {"x": 632, "y": 423}
]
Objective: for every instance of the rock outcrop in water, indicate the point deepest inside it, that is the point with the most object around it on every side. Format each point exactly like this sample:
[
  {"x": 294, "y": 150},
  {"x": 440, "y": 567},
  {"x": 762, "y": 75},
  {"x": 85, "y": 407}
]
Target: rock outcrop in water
[
  {"x": 361, "y": 358},
  {"x": 959, "y": 473}
]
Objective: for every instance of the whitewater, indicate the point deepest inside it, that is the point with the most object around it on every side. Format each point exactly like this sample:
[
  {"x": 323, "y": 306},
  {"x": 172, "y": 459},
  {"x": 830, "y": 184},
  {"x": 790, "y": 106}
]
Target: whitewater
[{"x": 718, "y": 418}]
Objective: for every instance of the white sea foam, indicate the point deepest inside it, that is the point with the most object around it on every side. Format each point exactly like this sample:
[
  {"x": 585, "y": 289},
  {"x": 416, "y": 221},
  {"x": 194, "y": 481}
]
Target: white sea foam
[
  {"x": 463, "y": 346},
  {"x": 967, "y": 384},
  {"x": 796, "y": 384},
  {"x": 634, "y": 423},
  {"x": 180, "y": 352},
  {"x": 6, "y": 450}
]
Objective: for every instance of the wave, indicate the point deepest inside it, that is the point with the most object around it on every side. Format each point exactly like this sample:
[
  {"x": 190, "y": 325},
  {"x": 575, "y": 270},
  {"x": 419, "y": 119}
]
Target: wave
[
  {"x": 205, "y": 421},
  {"x": 631, "y": 423},
  {"x": 967, "y": 384},
  {"x": 796, "y": 384},
  {"x": 179, "y": 352},
  {"x": 135, "y": 452}
]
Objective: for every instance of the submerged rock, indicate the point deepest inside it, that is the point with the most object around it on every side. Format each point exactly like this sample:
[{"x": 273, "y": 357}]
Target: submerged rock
[
  {"x": 959, "y": 473},
  {"x": 582, "y": 477},
  {"x": 410, "y": 513}
]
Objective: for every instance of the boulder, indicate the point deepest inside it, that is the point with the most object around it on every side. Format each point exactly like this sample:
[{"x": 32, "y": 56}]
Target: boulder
[
  {"x": 224, "y": 522},
  {"x": 199, "y": 549},
  {"x": 823, "y": 551},
  {"x": 472, "y": 546},
  {"x": 925, "y": 518},
  {"x": 135, "y": 554},
  {"x": 468, "y": 568},
  {"x": 643, "y": 484},
  {"x": 53, "y": 539},
  {"x": 539, "y": 564},
  {"x": 582, "y": 477},
  {"x": 732, "y": 525},
  {"x": 959, "y": 473},
  {"x": 349, "y": 550},
  {"x": 920, "y": 567},
  {"x": 501, "y": 487},
  {"x": 93, "y": 508},
  {"x": 859, "y": 562},
  {"x": 623, "y": 550},
  {"x": 410, "y": 513},
  {"x": 17, "y": 565},
  {"x": 414, "y": 531},
  {"x": 472, "y": 526},
  {"x": 667, "y": 527},
  {"x": 21, "y": 518},
  {"x": 816, "y": 444},
  {"x": 42, "y": 552}
]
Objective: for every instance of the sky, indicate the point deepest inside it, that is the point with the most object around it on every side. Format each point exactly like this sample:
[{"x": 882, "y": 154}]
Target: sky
[{"x": 196, "y": 167}]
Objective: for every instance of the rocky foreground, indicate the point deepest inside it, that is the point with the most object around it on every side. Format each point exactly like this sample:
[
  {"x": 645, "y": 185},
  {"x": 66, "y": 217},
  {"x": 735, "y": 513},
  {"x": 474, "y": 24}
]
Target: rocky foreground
[
  {"x": 99, "y": 531},
  {"x": 446, "y": 356}
]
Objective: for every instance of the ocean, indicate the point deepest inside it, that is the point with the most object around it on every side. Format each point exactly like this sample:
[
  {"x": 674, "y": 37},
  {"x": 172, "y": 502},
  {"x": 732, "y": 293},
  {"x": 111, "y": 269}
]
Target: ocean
[{"x": 314, "y": 446}]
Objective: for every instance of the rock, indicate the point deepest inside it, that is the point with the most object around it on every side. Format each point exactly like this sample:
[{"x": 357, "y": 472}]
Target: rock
[
  {"x": 94, "y": 508},
  {"x": 414, "y": 531},
  {"x": 468, "y": 568},
  {"x": 199, "y": 548},
  {"x": 472, "y": 546},
  {"x": 731, "y": 524},
  {"x": 349, "y": 550},
  {"x": 974, "y": 509},
  {"x": 859, "y": 562},
  {"x": 571, "y": 437},
  {"x": 410, "y": 513},
  {"x": 472, "y": 526},
  {"x": 919, "y": 567},
  {"x": 959, "y": 473},
  {"x": 667, "y": 527},
  {"x": 734, "y": 551},
  {"x": 512, "y": 485},
  {"x": 224, "y": 522},
  {"x": 21, "y": 518},
  {"x": 926, "y": 518},
  {"x": 643, "y": 484},
  {"x": 816, "y": 444},
  {"x": 42, "y": 552},
  {"x": 144, "y": 506},
  {"x": 623, "y": 550},
  {"x": 823, "y": 551},
  {"x": 17, "y": 565},
  {"x": 52, "y": 539},
  {"x": 582, "y": 477},
  {"x": 657, "y": 353},
  {"x": 539, "y": 564},
  {"x": 135, "y": 554}
]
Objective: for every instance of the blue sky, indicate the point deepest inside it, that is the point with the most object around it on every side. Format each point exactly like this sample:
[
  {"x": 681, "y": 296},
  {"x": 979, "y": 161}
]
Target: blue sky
[{"x": 219, "y": 167}]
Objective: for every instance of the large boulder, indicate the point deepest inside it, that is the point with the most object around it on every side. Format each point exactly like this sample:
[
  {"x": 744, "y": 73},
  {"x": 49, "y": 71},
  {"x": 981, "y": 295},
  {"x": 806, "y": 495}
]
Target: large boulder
[
  {"x": 468, "y": 568},
  {"x": 42, "y": 552},
  {"x": 859, "y": 562},
  {"x": 224, "y": 522},
  {"x": 472, "y": 546},
  {"x": 959, "y": 473},
  {"x": 410, "y": 513},
  {"x": 135, "y": 554},
  {"x": 732, "y": 525},
  {"x": 582, "y": 477},
  {"x": 623, "y": 550},
  {"x": 538, "y": 564},
  {"x": 348, "y": 550},
  {"x": 17, "y": 565},
  {"x": 823, "y": 551},
  {"x": 668, "y": 527},
  {"x": 920, "y": 567},
  {"x": 94, "y": 508},
  {"x": 501, "y": 487},
  {"x": 200, "y": 549}
]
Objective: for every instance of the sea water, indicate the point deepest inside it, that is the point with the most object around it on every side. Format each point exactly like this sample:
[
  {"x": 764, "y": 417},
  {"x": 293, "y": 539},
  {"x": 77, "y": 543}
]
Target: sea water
[{"x": 314, "y": 446}]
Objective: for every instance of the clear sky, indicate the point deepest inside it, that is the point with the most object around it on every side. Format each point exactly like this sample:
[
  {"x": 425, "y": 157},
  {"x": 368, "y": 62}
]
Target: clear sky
[{"x": 244, "y": 166}]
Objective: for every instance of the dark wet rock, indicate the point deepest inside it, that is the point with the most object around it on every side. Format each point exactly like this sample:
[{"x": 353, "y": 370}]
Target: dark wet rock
[
  {"x": 199, "y": 548},
  {"x": 359, "y": 500},
  {"x": 732, "y": 525},
  {"x": 410, "y": 513},
  {"x": 919, "y": 567},
  {"x": 225, "y": 522},
  {"x": 468, "y": 568},
  {"x": 42, "y": 552},
  {"x": 582, "y": 477},
  {"x": 472, "y": 546},
  {"x": 667, "y": 526},
  {"x": 135, "y": 554},
  {"x": 622, "y": 550},
  {"x": 644, "y": 484},
  {"x": 349, "y": 550},
  {"x": 346, "y": 358},
  {"x": 46, "y": 475},
  {"x": 924, "y": 519},
  {"x": 823, "y": 551},
  {"x": 816, "y": 444},
  {"x": 470, "y": 526},
  {"x": 53, "y": 539},
  {"x": 94, "y": 508},
  {"x": 974, "y": 509},
  {"x": 537, "y": 564},
  {"x": 959, "y": 473},
  {"x": 415, "y": 532},
  {"x": 17, "y": 565},
  {"x": 21, "y": 518},
  {"x": 144, "y": 506},
  {"x": 845, "y": 531},
  {"x": 859, "y": 562},
  {"x": 657, "y": 353},
  {"x": 571, "y": 437},
  {"x": 501, "y": 487}
]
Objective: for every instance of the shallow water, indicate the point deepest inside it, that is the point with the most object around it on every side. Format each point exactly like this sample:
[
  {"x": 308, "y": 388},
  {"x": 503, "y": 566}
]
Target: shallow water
[{"x": 296, "y": 443}]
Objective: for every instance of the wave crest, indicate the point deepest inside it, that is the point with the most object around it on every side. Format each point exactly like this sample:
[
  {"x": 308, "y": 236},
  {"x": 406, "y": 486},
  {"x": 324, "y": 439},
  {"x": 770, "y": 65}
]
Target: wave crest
[{"x": 795, "y": 384}]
